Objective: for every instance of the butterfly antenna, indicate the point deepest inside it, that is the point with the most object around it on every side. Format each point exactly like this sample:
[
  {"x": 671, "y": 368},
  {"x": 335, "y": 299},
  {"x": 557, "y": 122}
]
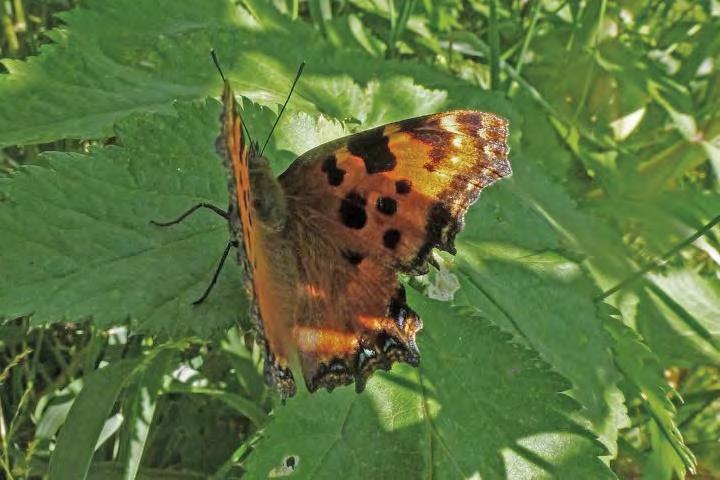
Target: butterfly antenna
[
  {"x": 297, "y": 77},
  {"x": 217, "y": 63}
]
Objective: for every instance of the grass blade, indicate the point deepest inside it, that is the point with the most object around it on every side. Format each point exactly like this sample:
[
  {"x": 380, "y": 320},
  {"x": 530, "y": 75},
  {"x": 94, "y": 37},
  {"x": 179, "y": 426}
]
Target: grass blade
[{"x": 78, "y": 437}]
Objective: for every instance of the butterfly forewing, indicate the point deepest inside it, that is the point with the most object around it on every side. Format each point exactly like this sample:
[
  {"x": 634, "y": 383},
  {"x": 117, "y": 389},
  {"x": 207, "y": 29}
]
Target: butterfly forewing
[{"x": 265, "y": 258}]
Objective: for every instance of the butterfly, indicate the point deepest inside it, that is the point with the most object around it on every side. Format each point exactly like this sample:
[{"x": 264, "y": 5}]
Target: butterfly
[{"x": 321, "y": 245}]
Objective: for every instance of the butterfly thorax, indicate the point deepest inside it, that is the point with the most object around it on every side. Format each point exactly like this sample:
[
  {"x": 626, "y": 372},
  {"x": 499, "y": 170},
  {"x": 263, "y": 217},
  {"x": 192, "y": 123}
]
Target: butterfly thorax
[{"x": 268, "y": 198}]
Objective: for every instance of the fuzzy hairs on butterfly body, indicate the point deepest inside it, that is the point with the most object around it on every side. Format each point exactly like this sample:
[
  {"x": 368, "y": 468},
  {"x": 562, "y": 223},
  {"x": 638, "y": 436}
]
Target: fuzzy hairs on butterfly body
[{"x": 269, "y": 201}]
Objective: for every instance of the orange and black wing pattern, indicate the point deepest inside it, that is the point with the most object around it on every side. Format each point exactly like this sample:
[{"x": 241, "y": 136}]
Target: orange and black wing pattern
[{"x": 365, "y": 207}]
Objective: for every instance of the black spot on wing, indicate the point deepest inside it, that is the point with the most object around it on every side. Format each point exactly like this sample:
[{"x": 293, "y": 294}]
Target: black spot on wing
[
  {"x": 441, "y": 228},
  {"x": 403, "y": 187},
  {"x": 353, "y": 257},
  {"x": 372, "y": 147},
  {"x": 391, "y": 238},
  {"x": 399, "y": 310},
  {"x": 335, "y": 175},
  {"x": 352, "y": 211},
  {"x": 386, "y": 205}
]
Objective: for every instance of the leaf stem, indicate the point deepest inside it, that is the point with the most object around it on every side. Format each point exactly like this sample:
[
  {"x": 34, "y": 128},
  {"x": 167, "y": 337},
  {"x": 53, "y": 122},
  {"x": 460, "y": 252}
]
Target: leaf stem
[
  {"x": 20, "y": 21},
  {"x": 494, "y": 42},
  {"x": 10, "y": 35},
  {"x": 659, "y": 261},
  {"x": 526, "y": 44}
]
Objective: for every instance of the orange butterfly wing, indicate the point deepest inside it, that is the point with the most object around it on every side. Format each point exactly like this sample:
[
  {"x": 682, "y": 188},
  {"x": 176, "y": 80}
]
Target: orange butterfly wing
[
  {"x": 257, "y": 232},
  {"x": 362, "y": 208}
]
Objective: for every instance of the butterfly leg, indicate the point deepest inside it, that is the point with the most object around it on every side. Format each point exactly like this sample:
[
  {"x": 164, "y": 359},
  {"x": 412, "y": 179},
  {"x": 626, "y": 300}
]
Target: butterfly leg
[
  {"x": 182, "y": 217},
  {"x": 231, "y": 243}
]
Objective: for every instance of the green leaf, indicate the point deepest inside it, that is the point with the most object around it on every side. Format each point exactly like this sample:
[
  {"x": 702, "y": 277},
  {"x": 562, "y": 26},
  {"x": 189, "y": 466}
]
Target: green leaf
[
  {"x": 79, "y": 436},
  {"x": 79, "y": 241},
  {"x": 479, "y": 405},
  {"x": 115, "y": 58},
  {"x": 242, "y": 405},
  {"x": 139, "y": 408},
  {"x": 535, "y": 286},
  {"x": 642, "y": 369},
  {"x": 678, "y": 314},
  {"x": 52, "y": 410},
  {"x": 663, "y": 462}
]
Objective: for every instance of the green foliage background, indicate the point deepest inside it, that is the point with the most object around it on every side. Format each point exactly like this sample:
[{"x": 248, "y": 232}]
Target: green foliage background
[{"x": 533, "y": 370}]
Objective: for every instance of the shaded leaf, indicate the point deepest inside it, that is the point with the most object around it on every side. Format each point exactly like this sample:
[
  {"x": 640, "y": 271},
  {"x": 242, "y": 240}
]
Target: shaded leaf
[
  {"x": 679, "y": 313},
  {"x": 79, "y": 239},
  {"x": 535, "y": 286},
  {"x": 100, "y": 70},
  {"x": 479, "y": 404}
]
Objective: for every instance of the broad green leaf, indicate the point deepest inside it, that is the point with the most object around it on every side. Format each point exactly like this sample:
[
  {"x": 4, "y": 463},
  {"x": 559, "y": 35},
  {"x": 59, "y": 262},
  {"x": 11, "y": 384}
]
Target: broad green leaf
[
  {"x": 11, "y": 335},
  {"x": 591, "y": 239},
  {"x": 666, "y": 220},
  {"x": 111, "y": 426},
  {"x": 534, "y": 285},
  {"x": 52, "y": 410},
  {"x": 479, "y": 406},
  {"x": 579, "y": 235},
  {"x": 547, "y": 189},
  {"x": 678, "y": 305},
  {"x": 78, "y": 437},
  {"x": 697, "y": 295},
  {"x": 115, "y": 58},
  {"x": 663, "y": 462},
  {"x": 79, "y": 241},
  {"x": 247, "y": 364}
]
